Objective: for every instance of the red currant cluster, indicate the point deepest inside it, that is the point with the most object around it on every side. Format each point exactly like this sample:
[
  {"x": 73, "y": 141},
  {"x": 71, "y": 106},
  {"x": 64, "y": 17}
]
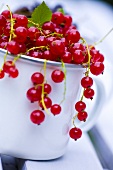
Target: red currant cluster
[
  {"x": 10, "y": 68},
  {"x": 39, "y": 93},
  {"x": 57, "y": 40}
]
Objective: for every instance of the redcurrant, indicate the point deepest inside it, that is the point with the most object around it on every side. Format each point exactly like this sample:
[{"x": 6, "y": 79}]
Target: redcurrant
[
  {"x": 86, "y": 82},
  {"x": 57, "y": 76},
  {"x": 89, "y": 93},
  {"x": 80, "y": 106},
  {"x": 37, "y": 78},
  {"x": 82, "y": 116},
  {"x": 75, "y": 133},
  {"x": 37, "y": 117},
  {"x": 55, "y": 109}
]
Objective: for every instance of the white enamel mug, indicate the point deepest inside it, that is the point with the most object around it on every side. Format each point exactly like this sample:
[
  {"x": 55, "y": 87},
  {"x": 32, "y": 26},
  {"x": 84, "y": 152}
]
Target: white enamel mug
[{"x": 19, "y": 137}]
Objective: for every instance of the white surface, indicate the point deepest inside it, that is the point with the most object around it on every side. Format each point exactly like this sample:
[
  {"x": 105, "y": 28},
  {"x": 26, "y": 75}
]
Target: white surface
[
  {"x": 79, "y": 156},
  {"x": 0, "y": 164}
]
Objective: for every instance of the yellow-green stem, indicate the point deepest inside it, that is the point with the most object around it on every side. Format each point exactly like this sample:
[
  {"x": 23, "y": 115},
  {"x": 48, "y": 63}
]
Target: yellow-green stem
[
  {"x": 33, "y": 48},
  {"x": 42, "y": 100},
  {"x": 55, "y": 33},
  {"x": 101, "y": 40},
  {"x": 82, "y": 95},
  {"x": 89, "y": 56},
  {"x": 73, "y": 120},
  {"x": 64, "y": 93},
  {"x": 33, "y": 23},
  {"x": 12, "y": 24},
  {"x": 16, "y": 58}
]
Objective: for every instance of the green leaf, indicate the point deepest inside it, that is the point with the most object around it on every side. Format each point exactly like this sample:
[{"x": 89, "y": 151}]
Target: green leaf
[
  {"x": 61, "y": 10},
  {"x": 41, "y": 14}
]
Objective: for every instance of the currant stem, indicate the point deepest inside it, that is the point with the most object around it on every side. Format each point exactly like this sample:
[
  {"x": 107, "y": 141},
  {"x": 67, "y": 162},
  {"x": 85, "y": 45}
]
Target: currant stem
[
  {"x": 36, "y": 86},
  {"x": 16, "y": 58},
  {"x": 55, "y": 33},
  {"x": 43, "y": 88},
  {"x": 12, "y": 24},
  {"x": 33, "y": 23},
  {"x": 89, "y": 56},
  {"x": 101, "y": 40},
  {"x": 82, "y": 95},
  {"x": 37, "y": 48},
  {"x": 64, "y": 93},
  {"x": 73, "y": 120},
  {"x": 5, "y": 56}
]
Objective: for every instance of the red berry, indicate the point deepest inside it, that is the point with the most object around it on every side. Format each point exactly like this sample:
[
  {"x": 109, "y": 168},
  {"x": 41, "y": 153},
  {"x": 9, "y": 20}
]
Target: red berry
[
  {"x": 7, "y": 65},
  {"x": 55, "y": 109},
  {"x": 21, "y": 34},
  {"x": 101, "y": 59},
  {"x": 75, "y": 133},
  {"x": 82, "y": 116},
  {"x": 21, "y": 20},
  {"x": 72, "y": 27},
  {"x": 66, "y": 57},
  {"x": 67, "y": 20},
  {"x": 33, "y": 94},
  {"x": 48, "y": 26},
  {"x": 64, "y": 41},
  {"x": 77, "y": 46},
  {"x": 78, "y": 57},
  {"x": 57, "y": 17},
  {"x": 86, "y": 82},
  {"x": 50, "y": 39},
  {"x": 13, "y": 47},
  {"x": 80, "y": 106},
  {"x": 37, "y": 117},
  {"x": 2, "y": 74},
  {"x": 96, "y": 56},
  {"x": 3, "y": 45},
  {"x": 13, "y": 72},
  {"x": 57, "y": 47},
  {"x": 47, "y": 55},
  {"x": 57, "y": 76},
  {"x": 37, "y": 78},
  {"x": 41, "y": 41},
  {"x": 4, "y": 39},
  {"x": 35, "y": 54},
  {"x": 33, "y": 33},
  {"x": 6, "y": 14},
  {"x": 72, "y": 35},
  {"x": 47, "y": 88},
  {"x": 22, "y": 48},
  {"x": 97, "y": 68},
  {"x": 2, "y": 21},
  {"x": 89, "y": 93},
  {"x": 1, "y": 32},
  {"x": 46, "y": 32},
  {"x": 7, "y": 29},
  {"x": 59, "y": 31},
  {"x": 47, "y": 102}
]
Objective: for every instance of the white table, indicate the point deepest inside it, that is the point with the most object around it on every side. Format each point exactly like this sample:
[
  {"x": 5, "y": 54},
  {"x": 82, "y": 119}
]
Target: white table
[{"x": 79, "y": 156}]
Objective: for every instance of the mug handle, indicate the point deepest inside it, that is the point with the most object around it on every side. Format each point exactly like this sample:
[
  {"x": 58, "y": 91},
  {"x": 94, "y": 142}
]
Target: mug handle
[{"x": 95, "y": 112}]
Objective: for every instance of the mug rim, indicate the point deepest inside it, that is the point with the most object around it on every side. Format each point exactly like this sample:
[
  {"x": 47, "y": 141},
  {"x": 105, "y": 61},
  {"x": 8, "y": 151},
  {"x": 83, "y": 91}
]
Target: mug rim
[{"x": 41, "y": 61}]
